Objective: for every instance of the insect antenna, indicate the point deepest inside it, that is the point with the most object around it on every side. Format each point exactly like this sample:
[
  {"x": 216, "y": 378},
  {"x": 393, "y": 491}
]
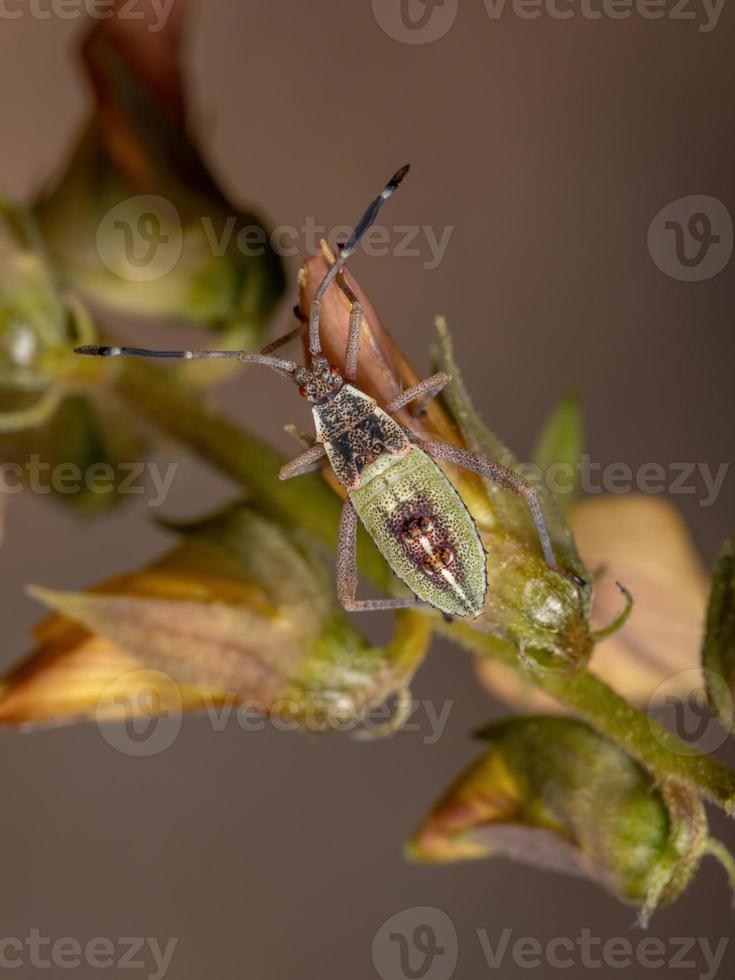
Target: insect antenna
[
  {"x": 285, "y": 368},
  {"x": 362, "y": 226}
]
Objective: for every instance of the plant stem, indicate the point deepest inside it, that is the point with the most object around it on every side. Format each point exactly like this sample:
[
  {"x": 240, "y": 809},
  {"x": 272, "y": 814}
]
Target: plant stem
[
  {"x": 717, "y": 849},
  {"x": 654, "y": 746},
  {"x": 164, "y": 400}
]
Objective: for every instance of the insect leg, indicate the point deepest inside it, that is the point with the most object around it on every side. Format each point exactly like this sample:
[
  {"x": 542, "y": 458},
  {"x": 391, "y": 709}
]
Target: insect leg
[
  {"x": 429, "y": 388},
  {"x": 354, "y": 331},
  {"x": 347, "y": 570},
  {"x": 504, "y": 477},
  {"x": 311, "y": 459},
  {"x": 288, "y": 337},
  {"x": 303, "y": 437},
  {"x": 285, "y": 339}
]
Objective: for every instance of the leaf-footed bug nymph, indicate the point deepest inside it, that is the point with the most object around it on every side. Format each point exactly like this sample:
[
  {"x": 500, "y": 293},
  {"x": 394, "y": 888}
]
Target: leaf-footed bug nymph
[{"x": 395, "y": 487}]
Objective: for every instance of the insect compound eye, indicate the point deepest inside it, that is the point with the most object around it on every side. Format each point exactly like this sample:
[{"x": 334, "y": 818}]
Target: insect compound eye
[
  {"x": 303, "y": 391},
  {"x": 334, "y": 371}
]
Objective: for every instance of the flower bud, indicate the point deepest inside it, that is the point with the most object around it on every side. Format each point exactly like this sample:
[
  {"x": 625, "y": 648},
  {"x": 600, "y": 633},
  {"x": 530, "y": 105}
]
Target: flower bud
[
  {"x": 239, "y": 611},
  {"x": 136, "y": 220},
  {"x": 554, "y": 793},
  {"x": 643, "y": 542},
  {"x": 63, "y": 439}
]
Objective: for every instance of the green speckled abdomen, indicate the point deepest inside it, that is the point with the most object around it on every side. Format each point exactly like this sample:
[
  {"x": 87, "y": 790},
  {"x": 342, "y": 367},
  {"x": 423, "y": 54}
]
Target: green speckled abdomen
[{"x": 424, "y": 531}]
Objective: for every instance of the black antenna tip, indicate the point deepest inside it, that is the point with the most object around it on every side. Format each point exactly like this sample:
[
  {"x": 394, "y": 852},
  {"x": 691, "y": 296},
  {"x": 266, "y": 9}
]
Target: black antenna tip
[
  {"x": 92, "y": 350},
  {"x": 398, "y": 176}
]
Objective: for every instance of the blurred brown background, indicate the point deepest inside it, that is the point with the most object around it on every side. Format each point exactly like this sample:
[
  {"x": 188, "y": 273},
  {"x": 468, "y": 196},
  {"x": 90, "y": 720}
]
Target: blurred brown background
[{"x": 548, "y": 146}]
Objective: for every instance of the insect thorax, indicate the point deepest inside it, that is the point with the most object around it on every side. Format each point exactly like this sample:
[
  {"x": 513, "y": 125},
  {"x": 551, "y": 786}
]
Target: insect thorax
[{"x": 356, "y": 432}]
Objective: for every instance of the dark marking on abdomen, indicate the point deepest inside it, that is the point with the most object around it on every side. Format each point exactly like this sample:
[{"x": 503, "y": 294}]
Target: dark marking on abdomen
[{"x": 416, "y": 524}]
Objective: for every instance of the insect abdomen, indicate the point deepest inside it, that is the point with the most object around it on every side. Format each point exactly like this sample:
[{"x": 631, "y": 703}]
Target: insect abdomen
[{"x": 424, "y": 531}]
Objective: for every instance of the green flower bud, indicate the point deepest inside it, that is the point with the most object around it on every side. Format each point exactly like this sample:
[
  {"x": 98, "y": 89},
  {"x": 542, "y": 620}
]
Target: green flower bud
[
  {"x": 554, "y": 793},
  {"x": 544, "y": 614}
]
